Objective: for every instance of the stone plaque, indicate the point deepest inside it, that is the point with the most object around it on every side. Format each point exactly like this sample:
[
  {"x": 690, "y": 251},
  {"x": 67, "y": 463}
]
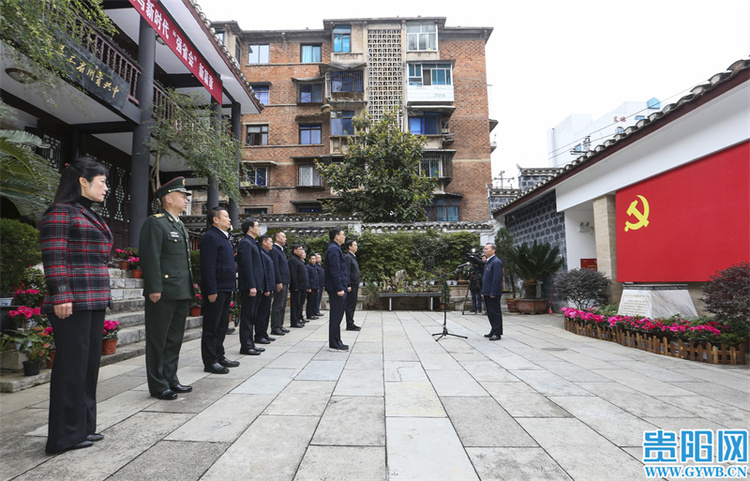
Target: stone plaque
[{"x": 656, "y": 301}]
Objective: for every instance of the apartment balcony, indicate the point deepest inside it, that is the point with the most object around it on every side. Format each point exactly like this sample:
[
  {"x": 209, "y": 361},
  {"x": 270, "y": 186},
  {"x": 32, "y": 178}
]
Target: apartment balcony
[{"x": 440, "y": 94}]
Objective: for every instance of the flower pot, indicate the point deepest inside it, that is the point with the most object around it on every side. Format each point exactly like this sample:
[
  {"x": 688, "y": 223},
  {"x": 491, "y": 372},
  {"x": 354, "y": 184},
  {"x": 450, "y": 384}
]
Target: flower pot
[
  {"x": 109, "y": 346},
  {"x": 511, "y": 304},
  {"x": 51, "y": 360},
  {"x": 195, "y": 311},
  {"x": 125, "y": 265},
  {"x": 532, "y": 306},
  {"x": 31, "y": 368},
  {"x": 137, "y": 273}
]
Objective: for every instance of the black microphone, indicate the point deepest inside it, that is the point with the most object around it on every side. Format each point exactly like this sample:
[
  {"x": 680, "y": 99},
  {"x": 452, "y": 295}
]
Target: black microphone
[{"x": 464, "y": 264}]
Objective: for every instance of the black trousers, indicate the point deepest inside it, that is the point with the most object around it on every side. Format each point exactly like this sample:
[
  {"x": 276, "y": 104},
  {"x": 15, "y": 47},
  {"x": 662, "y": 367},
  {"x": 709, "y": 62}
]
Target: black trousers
[
  {"x": 351, "y": 305},
  {"x": 335, "y": 313},
  {"x": 72, "y": 394},
  {"x": 165, "y": 329},
  {"x": 495, "y": 315},
  {"x": 248, "y": 319},
  {"x": 311, "y": 309},
  {"x": 263, "y": 312},
  {"x": 297, "y": 300},
  {"x": 320, "y": 300},
  {"x": 279, "y": 307},
  {"x": 215, "y": 324}
]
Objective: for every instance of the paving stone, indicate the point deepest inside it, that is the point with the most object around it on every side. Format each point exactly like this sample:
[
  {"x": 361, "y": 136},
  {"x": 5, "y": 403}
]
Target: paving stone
[
  {"x": 416, "y": 399},
  {"x": 172, "y": 460},
  {"x": 302, "y": 398},
  {"x": 454, "y": 383},
  {"x": 481, "y": 421},
  {"x": 352, "y": 421},
  {"x": 521, "y": 400},
  {"x": 517, "y": 464},
  {"x": 342, "y": 463},
  {"x": 401, "y": 371},
  {"x": 360, "y": 382},
  {"x": 322, "y": 370},
  {"x": 548, "y": 383}
]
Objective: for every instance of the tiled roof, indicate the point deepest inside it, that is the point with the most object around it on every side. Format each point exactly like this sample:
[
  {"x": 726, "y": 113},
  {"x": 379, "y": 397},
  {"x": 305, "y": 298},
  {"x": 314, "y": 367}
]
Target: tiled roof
[{"x": 739, "y": 70}]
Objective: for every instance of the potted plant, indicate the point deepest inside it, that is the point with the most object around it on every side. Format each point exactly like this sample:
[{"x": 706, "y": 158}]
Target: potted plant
[
  {"x": 135, "y": 267},
  {"x": 28, "y": 297},
  {"x": 371, "y": 291},
  {"x": 109, "y": 341},
  {"x": 34, "y": 344},
  {"x": 26, "y": 318},
  {"x": 123, "y": 256},
  {"x": 196, "y": 302},
  {"x": 533, "y": 263}
]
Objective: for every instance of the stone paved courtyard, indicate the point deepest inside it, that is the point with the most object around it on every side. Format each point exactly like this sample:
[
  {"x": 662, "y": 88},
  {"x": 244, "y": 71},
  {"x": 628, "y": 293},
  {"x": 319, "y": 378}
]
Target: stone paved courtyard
[{"x": 541, "y": 404}]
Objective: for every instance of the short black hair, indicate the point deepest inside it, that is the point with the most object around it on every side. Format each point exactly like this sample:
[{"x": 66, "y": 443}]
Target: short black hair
[
  {"x": 262, "y": 238},
  {"x": 333, "y": 232},
  {"x": 214, "y": 214},
  {"x": 296, "y": 246},
  {"x": 248, "y": 223},
  {"x": 350, "y": 242}
]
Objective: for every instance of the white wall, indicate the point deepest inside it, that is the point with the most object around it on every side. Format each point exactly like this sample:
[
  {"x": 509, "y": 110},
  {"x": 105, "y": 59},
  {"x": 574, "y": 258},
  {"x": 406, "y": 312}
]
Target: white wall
[{"x": 579, "y": 245}]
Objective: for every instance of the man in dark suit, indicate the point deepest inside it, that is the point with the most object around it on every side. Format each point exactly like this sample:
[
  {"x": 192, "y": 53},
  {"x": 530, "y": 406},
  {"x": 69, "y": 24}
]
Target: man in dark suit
[
  {"x": 336, "y": 285},
  {"x": 297, "y": 286},
  {"x": 269, "y": 284},
  {"x": 281, "y": 273},
  {"x": 217, "y": 284},
  {"x": 250, "y": 284},
  {"x": 321, "y": 283},
  {"x": 311, "y": 309},
  {"x": 352, "y": 268},
  {"x": 492, "y": 290},
  {"x": 164, "y": 248}
]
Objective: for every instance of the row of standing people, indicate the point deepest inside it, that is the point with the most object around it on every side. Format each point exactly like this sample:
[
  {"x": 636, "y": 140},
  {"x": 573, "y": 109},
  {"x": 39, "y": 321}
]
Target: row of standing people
[{"x": 76, "y": 244}]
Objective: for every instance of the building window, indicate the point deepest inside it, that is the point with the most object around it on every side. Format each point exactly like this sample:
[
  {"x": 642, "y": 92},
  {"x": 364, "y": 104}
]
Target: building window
[
  {"x": 431, "y": 165},
  {"x": 258, "y": 54},
  {"x": 445, "y": 210},
  {"x": 258, "y": 176},
  {"x": 256, "y": 210},
  {"x": 430, "y": 74},
  {"x": 309, "y": 177},
  {"x": 426, "y": 124},
  {"x": 341, "y": 123},
  {"x": 257, "y": 135},
  {"x": 350, "y": 81},
  {"x": 311, "y": 93},
  {"x": 261, "y": 91},
  {"x": 342, "y": 38},
  {"x": 421, "y": 36},
  {"x": 237, "y": 49},
  {"x": 310, "y": 134},
  {"x": 220, "y": 37},
  {"x": 309, "y": 209},
  {"x": 311, "y": 53}
]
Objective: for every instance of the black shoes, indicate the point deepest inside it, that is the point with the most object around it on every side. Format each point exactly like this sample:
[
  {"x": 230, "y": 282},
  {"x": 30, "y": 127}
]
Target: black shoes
[
  {"x": 179, "y": 388},
  {"x": 230, "y": 331},
  {"x": 353, "y": 328},
  {"x": 277, "y": 332},
  {"x": 215, "y": 368},
  {"x": 341, "y": 348},
  {"x": 297, "y": 325},
  {"x": 495, "y": 338},
  {"x": 94, "y": 437},
  {"x": 83, "y": 444},
  {"x": 167, "y": 395},
  {"x": 250, "y": 352},
  {"x": 227, "y": 363},
  {"x": 284, "y": 329},
  {"x": 269, "y": 338},
  {"x": 487, "y": 335},
  {"x": 262, "y": 340}
]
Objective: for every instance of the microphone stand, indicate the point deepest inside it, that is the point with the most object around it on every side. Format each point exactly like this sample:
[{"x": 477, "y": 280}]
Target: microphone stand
[{"x": 445, "y": 332}]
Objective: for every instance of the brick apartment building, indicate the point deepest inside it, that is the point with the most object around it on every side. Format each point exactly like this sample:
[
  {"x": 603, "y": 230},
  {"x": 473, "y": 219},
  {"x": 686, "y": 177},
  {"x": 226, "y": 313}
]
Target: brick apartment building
[{"x": 313, "y": 82}]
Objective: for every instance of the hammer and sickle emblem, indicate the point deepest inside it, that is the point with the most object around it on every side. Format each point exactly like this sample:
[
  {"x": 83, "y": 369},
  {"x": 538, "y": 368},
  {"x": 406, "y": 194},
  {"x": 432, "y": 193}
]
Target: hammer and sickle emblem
[{"x": 642, "y": 216}]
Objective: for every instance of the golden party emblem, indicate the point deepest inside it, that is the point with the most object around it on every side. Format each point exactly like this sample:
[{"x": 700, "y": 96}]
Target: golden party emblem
[{"x": 640, "y": 215}]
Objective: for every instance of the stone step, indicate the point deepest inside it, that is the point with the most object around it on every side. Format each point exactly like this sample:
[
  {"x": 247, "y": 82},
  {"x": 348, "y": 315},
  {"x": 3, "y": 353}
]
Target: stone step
[
  {"x": 127, "y": 305},
  {"x": 137, "y": 332},
  {"x": 125, "y": 283}
]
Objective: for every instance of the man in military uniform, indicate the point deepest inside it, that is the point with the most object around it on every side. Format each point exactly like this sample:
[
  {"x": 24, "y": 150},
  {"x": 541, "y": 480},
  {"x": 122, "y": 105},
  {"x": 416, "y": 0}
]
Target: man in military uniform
[{"x": 164, "y": 248}]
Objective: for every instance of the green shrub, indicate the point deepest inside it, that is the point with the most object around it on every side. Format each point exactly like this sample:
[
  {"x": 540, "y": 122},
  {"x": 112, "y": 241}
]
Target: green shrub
[
  {"x": 20, "y": 249},
  {"x": 583, "y": 287},
  {"x": 728, "y": 297}
]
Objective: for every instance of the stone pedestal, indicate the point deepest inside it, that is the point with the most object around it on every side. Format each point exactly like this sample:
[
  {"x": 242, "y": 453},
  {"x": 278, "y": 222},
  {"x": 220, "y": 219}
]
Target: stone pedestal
[{"x": 656, "y": 301}]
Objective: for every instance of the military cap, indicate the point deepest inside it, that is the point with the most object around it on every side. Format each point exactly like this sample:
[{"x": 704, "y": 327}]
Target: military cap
[{"x": 175, "y": 185}]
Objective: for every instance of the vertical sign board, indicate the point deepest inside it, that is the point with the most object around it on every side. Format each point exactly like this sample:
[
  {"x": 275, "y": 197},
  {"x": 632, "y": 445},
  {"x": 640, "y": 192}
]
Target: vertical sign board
[
  {"x": 174, "y": 37},
  {"x": 688, "y": 223}
]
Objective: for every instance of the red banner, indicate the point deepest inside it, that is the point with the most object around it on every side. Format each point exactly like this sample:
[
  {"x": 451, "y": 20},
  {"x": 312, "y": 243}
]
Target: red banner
[
  {"x": 686, "y": 224},
  {"x": 174, "y": 37}
]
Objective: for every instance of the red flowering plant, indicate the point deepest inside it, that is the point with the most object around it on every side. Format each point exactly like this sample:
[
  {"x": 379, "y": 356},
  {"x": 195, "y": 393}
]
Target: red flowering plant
[
  {"x": 27, "y": 317},
  {"x": 111, "y": 328},
  {"x": 28, "y": 297},
  {"x": 125, "y": 254},
  {"x": 197, "y": 299},
  {"x": 135, "y": 262}
]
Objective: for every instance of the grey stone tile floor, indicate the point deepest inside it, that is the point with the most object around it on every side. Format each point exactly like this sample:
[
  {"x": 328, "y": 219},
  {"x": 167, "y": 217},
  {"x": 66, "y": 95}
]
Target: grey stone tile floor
[{"x": 540, "y": 404}]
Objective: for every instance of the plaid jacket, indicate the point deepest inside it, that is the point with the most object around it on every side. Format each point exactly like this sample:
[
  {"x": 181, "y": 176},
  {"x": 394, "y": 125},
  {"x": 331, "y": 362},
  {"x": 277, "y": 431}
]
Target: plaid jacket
[{"x": 75, "y": 251}]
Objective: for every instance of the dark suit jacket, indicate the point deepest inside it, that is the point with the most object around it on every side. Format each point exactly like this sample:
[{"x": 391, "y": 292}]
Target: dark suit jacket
[
  {"x": 312, "y": 276},
  {"x": 298, "y": 273},
  {"x": 321, "y": 276},
  {"x": 492, "y": 279},
  {"x": 164, "y": 248},
  {"x": 249, "y": 265},
  {"x": 269, "y": 276},
  {"x": 352, "y": 269},
  {"x": 336, "y": 278},
  {"x": 75, "y": 250},
  {"x": 217, "y": 263},
  {"x": 281, "y": 265}
]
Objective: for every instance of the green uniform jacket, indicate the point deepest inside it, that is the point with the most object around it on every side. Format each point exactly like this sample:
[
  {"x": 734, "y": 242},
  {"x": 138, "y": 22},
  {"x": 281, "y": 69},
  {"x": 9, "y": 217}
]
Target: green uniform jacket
[{"x": 164, "y": 248}]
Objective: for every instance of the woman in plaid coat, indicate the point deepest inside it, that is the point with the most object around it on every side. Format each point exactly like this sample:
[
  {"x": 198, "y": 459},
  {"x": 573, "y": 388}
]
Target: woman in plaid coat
[{"x": 76, "y": 243}]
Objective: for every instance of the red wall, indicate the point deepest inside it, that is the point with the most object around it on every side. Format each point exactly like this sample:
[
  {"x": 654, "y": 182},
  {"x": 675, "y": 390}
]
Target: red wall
[{"x": 698, "y": 221}]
